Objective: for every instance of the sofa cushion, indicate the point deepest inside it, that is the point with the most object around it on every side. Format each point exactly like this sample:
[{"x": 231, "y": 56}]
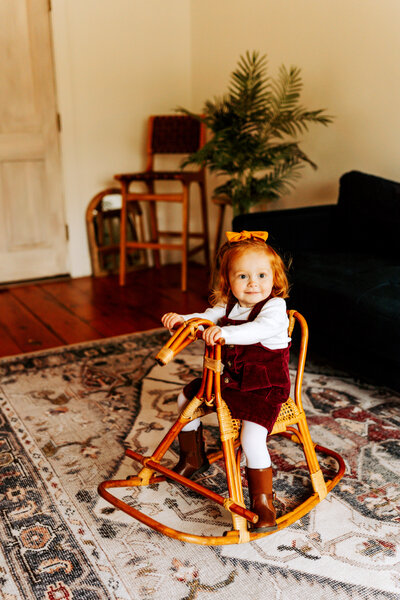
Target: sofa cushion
[
  {"x": 379, "y": 311},
  {"x": 348, "y": 276},
  {"x": 352, "y": 299}
]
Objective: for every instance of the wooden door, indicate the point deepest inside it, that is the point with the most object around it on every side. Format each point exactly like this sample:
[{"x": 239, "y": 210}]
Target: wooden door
[{"x": 33, "y": 240}]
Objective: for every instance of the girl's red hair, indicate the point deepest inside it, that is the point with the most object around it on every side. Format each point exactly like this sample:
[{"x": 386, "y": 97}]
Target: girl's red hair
[{"x": 231, "y": 250}]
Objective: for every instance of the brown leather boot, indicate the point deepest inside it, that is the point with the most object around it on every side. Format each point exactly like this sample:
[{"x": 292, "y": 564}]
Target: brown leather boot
[
  {"x": 261, "y": 496},
  {"x": 193, "y": 458}
]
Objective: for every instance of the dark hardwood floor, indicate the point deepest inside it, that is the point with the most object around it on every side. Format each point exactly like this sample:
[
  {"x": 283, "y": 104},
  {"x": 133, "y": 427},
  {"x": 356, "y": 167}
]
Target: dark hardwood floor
[{"x": 53, "y": 313}]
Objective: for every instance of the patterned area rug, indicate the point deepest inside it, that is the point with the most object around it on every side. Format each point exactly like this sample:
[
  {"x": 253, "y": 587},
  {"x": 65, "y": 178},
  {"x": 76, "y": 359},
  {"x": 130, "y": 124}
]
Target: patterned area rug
[{"x": 66, "y": 418}]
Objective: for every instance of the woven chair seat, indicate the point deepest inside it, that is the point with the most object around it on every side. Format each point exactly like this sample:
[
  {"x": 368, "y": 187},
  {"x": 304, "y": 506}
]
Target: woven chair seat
[{"x": 288, "y": 415}]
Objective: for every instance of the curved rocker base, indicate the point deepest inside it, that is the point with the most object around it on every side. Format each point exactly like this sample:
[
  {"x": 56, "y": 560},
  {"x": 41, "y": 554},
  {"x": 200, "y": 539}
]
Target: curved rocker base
[{"x": 233, "y": 536}]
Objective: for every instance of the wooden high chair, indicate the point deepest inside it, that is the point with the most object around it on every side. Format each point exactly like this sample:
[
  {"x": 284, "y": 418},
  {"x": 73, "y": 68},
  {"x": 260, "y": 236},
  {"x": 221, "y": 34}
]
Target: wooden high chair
[
  {"x": 291, "y": 423},
  {"x": 166, "y": 135}
]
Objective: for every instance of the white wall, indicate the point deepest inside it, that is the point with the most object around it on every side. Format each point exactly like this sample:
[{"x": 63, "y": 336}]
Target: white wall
[
  {"x": 117, "y": 61},
  {"x": 348, "y": 51}
]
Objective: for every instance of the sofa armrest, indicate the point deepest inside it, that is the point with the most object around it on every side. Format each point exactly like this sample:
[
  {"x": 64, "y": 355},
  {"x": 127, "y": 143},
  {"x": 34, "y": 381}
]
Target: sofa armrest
[
  {"x": 369, "y": 211},
  {"x": 308, "y": 228}
]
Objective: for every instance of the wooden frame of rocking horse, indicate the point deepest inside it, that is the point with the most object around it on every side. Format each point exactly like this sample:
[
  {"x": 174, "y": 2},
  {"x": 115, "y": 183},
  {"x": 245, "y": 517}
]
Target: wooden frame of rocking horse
[{"x": 207, "y": 400}]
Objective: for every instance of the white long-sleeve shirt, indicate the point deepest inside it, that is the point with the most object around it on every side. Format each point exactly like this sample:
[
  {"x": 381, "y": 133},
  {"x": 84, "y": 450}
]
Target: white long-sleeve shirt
[{"x": 270, "y": 327}]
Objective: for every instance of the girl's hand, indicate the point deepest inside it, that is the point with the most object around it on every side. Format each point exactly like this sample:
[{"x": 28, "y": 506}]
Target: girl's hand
[
  {"x": 212, "y": 334},
  {"x": 169, "y": 320}
]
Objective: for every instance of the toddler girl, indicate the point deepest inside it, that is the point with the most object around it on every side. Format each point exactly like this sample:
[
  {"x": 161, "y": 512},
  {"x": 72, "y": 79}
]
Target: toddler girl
[{"x": 249, "y": 312}]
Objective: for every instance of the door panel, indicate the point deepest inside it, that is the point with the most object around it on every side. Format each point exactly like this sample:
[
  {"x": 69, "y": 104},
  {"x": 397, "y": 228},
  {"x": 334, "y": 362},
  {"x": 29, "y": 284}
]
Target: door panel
[{"x": 32, "y": 224}]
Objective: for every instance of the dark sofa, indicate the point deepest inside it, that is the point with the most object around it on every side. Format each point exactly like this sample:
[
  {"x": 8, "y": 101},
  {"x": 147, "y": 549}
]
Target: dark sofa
[{"x": 345, "y": 273}]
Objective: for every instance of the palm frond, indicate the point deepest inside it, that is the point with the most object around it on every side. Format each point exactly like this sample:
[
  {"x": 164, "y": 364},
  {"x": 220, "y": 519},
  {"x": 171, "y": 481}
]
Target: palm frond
[
  {"x": 248, "y": 90},
  {"x": 286, "y": 89}
]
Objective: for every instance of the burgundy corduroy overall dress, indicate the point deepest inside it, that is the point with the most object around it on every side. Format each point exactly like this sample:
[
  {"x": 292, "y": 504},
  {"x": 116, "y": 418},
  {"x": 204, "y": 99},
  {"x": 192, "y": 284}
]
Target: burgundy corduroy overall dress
[{"x": 255, "y": 380}]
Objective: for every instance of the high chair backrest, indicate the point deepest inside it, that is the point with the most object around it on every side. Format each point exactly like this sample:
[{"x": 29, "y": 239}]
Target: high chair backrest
[{"x": 173, "y": 134}]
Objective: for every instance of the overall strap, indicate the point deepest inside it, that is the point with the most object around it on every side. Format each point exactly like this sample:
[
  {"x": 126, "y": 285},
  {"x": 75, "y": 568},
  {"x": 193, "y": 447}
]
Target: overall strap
[
  {"x": 257, "y": 309},
  {"x": 230, "y": 304},
  {"x": 253, "y": 314}
]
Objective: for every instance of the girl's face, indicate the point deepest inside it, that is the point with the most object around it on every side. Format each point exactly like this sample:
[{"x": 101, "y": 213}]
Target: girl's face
[{"x": 251, "y": 278}]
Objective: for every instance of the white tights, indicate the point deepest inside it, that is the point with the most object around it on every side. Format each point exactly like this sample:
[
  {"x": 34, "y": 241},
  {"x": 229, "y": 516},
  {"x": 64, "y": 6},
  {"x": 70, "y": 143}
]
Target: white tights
[{"x": 253, "y": 439}]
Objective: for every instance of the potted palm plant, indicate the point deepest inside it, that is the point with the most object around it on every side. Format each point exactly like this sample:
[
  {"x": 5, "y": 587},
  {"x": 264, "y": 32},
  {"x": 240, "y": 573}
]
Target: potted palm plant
[{"x": 254, "y": 134}]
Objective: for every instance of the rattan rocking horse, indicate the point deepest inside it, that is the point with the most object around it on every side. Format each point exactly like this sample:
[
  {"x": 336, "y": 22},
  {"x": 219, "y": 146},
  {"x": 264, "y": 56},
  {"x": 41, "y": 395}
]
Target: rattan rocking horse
[{"x": 291, "y": 423}]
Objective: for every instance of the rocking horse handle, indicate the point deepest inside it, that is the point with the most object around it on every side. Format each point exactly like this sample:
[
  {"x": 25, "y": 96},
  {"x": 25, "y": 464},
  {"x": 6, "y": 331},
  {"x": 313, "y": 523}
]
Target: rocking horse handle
[
  {"x": 199, "y": 333},
  {"x": 199, "y": 336},
  {"x": 184, "y": 335}
]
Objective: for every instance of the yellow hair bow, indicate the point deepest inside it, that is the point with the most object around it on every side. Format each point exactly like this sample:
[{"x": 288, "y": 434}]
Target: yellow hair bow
[{"x": 233, "y": 236}]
